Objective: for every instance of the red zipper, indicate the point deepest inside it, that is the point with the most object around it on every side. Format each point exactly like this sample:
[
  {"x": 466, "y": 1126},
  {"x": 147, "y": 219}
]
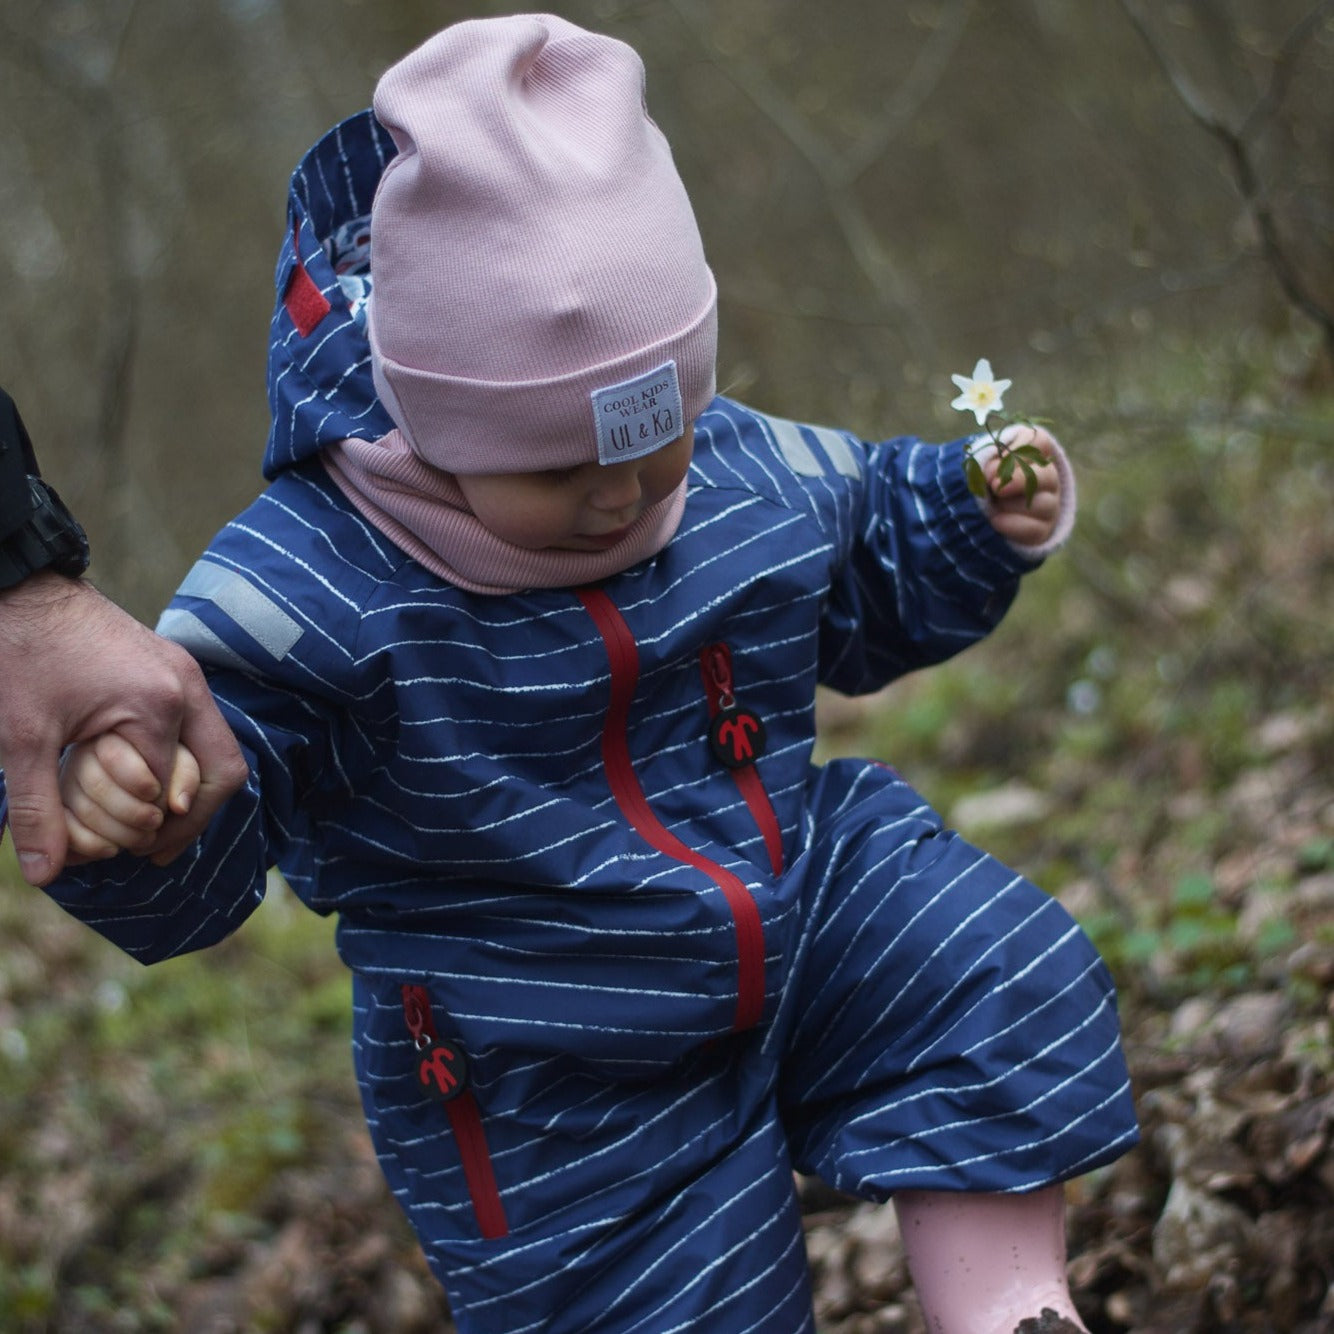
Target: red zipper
[
  {"x": 715, "y": 661},
  {"x": 623, "y": 656},
  {"x": 465, "y": 1120}
]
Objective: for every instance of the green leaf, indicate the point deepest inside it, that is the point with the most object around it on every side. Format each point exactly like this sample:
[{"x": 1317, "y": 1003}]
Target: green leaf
[
  {"x": 1198, "y": 931},
  {"x": 1275, "y": 935},
  {"x": 975, "y": 477},
  {"x": 1194, "y": 891},
  {"x": 1317, "y": 855},
  {"x": 1031, "y": 454},
  {"x": 1141, "y": 945},
  {"x": 1030, "y": 482}
]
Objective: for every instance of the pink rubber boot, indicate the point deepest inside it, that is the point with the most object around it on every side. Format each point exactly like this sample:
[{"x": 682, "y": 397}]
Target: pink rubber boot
[{"x": 989, "y": 1264}]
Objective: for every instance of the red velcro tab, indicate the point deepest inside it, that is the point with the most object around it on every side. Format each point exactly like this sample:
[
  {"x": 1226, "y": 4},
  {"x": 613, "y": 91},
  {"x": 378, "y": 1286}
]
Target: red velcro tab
[{"x": 305, "y": 303}]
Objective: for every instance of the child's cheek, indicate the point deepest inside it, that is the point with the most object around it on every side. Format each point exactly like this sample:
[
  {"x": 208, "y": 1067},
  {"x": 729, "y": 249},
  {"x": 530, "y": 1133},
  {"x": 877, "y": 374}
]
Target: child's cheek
[{"x": 532, "y": 521}]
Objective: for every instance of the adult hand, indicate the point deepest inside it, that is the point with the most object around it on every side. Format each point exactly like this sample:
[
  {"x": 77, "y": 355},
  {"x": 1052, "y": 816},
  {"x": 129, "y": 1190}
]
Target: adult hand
[{"x": 74, "y": 665}]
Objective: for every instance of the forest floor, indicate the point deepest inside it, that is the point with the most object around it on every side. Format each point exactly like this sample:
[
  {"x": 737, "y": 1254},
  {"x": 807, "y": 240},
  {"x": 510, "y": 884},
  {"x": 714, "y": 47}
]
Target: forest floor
[{"x": 1150, "y": 736}]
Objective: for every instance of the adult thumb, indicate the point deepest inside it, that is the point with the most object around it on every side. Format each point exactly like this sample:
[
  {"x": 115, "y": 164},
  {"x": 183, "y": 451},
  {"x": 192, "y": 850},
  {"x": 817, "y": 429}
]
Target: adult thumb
[{"x": 36, "y": 816}]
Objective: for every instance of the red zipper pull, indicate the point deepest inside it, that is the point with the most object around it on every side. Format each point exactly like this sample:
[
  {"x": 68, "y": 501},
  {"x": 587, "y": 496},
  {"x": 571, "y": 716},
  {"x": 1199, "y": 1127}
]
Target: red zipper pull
[
  {"x": 716, "y": 664},
  {"x": 736, "y": 734},
  {"x": 442, "y": 1069},
  {"x": 417, "y": 1014}
]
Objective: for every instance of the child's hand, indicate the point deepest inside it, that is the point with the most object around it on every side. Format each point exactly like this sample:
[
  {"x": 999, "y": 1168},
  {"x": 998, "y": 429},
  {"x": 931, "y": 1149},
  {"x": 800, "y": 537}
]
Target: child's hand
[
  {"x": 1021, "y": 520},
  {"x": 112, "y": 800}
]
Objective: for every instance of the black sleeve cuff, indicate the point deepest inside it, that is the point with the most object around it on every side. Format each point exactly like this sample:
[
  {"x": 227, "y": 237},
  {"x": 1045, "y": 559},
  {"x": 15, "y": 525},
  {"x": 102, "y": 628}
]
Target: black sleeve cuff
[
  {"x": 50, "y": 538},
  {"x": 17, "y": 462}
]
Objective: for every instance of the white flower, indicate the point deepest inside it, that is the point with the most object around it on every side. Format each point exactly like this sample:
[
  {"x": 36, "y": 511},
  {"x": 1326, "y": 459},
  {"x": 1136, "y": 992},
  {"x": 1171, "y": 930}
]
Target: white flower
[{"x": 982, "y": 392}]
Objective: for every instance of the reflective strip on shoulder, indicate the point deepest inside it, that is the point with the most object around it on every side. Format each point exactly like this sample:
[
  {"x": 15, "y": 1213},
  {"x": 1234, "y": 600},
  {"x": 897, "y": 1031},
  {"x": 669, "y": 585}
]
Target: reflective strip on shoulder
[
  {"x": 253, "y": 611},
  {"x": 840, "y": 451},
  {"x": 803, "y": 460},
  {"x": 799, "y": 455}
]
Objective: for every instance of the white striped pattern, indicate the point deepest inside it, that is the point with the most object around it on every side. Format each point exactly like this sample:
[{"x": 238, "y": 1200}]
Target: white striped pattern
[{"x": 427, "y": 764}]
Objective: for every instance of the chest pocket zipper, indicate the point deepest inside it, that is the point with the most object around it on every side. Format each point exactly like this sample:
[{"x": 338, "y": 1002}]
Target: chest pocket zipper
[
  {"x": 623, "y": 659},
  {"x": 736, "y": 737},
  {"x": 442, "y": 1074}
]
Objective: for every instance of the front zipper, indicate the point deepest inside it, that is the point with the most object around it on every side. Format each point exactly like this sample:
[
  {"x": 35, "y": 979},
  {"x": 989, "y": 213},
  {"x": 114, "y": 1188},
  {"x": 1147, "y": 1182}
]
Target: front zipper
[
  {"x": 623, "y": 658},
  {"x": 739, "y": 749},
  {"x": 442, "y": 1073}
]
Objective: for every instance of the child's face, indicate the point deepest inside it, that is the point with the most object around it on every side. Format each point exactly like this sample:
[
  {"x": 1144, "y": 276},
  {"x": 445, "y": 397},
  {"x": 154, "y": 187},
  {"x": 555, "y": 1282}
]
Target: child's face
[{"x": 585, "y": 508}]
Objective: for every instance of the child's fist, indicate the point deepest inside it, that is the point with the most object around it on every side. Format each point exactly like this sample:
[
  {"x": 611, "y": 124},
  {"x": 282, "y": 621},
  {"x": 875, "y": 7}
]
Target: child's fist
[
  {"x": 114, "y": 802},
  {"x": 1024, "y": 519}
]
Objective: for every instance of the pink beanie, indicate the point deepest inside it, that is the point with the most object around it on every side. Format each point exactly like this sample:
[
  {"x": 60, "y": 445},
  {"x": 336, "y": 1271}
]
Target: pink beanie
[{"x": 540, "y": 293}]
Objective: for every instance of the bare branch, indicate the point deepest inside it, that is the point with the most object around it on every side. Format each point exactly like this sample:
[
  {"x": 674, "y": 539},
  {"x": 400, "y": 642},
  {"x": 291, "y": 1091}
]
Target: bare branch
[
  {"x": 1236, "y": 146},
  {"x": 1190, "y": 96},
  {"x": 97, "y": 104},
  {"x": 1285, "y": 62},
  {"x": 910, "y": 96},
  {"x": 836, "y": 173}
]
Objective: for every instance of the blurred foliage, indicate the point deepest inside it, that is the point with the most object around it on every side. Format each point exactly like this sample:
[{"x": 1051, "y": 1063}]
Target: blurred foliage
[
  {"x": 1161, "y": 687},
  {"x": 145, "y": 1113},
  {"x": 1160, "y": 693},
  {"x": 887, "y": 192}
]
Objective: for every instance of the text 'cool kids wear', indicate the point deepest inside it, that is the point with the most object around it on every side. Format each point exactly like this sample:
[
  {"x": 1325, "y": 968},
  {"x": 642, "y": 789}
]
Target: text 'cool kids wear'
[{"x": 623, "y": 958}]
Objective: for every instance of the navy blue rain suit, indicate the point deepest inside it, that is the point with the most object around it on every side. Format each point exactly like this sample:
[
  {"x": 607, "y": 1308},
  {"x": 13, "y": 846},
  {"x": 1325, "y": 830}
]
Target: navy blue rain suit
[{"x": 653, "y": 982}]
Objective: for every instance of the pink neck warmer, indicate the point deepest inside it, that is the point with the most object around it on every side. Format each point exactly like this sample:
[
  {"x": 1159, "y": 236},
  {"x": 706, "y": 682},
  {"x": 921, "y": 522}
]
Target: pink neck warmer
[{"x": 422, "y": 510}]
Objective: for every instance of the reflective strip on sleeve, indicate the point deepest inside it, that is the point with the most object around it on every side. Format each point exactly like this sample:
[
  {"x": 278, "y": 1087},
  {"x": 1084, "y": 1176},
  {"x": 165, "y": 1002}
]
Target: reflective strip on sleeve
[
  {"x": 187, "y": 630},
  {"x": 254, "y": 612}
]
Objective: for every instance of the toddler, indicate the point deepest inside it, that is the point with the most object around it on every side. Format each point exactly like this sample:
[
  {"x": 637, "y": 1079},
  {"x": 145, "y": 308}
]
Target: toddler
[{"x": 521, "y": 644}]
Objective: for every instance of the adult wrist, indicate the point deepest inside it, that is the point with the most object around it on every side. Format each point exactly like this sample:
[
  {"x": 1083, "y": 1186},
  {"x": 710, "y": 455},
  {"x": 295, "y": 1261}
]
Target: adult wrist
[{"x": 26, "y": 603}]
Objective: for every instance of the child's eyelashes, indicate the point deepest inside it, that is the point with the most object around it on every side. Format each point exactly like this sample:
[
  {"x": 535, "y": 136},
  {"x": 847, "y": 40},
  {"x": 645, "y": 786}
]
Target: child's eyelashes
[{"x": 558, "y": 476}]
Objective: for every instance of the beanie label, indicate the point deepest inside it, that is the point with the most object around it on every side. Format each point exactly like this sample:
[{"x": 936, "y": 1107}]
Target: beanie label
[{"x": 637, "y": 416}]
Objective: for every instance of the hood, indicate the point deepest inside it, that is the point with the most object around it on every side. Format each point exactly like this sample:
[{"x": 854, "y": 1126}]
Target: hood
[{"x": 319, "y": 372}]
